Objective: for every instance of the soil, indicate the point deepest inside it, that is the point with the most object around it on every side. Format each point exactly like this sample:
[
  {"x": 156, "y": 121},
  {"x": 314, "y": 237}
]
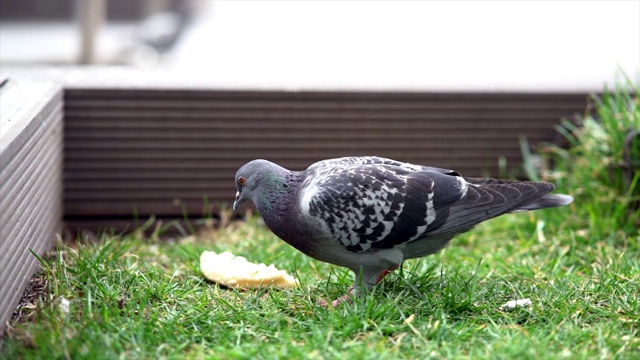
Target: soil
[{"x": 36, "y": 289}]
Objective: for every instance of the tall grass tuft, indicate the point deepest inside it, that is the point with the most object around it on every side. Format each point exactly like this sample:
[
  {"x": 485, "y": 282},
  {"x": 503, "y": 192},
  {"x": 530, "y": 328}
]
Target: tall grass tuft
[{"x": 594, "y": 169}]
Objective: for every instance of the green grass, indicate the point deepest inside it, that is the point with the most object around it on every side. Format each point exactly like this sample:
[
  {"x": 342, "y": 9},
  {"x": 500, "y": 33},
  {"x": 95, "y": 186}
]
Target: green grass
[{"x": 140, "y": 297}]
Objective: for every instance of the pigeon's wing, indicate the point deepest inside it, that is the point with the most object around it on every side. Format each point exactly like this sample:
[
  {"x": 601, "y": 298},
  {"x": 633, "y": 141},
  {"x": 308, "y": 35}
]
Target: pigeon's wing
[
  {"x": 377, "y": 160},
  {"x": 488, "y": 198},
  {"x": 535, "y": 194},
  {"x": 378, "y": 205}
]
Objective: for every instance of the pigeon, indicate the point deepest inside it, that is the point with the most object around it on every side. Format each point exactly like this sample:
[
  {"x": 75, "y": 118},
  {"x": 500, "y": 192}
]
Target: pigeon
[{"x": 369, "y": 214}]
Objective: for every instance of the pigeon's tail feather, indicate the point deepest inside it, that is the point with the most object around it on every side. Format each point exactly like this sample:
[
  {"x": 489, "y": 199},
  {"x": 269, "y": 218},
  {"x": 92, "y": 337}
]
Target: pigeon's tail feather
[
  {"x": 487, "y": 199},
  {"x": 547, "y": 201}
]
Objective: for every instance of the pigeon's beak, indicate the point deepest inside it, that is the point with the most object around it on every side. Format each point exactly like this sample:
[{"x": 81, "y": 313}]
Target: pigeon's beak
[{"x": 237, "y": 202}]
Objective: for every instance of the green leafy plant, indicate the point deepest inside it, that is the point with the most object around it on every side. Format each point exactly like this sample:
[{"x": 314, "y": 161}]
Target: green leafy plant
[{"x": 594, "y": 169}]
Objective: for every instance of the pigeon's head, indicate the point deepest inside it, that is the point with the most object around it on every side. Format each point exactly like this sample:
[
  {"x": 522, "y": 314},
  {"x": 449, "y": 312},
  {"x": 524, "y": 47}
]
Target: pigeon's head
[{"x": 255, "y": 179}]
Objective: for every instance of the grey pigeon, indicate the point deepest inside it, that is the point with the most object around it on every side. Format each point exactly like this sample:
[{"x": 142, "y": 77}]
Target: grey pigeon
[{"x": 369, "y": 214}]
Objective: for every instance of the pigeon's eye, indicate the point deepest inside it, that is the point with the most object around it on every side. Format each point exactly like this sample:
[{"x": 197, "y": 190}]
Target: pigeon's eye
[{"x": 242, "y": 181}]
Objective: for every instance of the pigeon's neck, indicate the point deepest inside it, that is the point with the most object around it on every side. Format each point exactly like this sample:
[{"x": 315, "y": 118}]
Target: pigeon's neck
[{"x": 276, "y": 200}]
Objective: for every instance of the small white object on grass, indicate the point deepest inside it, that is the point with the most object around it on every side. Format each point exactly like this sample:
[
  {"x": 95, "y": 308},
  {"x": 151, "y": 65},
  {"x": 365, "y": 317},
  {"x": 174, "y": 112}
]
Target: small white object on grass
[
  {"x": 64, "y": 306},
  {"x": 512, "y": 304}
]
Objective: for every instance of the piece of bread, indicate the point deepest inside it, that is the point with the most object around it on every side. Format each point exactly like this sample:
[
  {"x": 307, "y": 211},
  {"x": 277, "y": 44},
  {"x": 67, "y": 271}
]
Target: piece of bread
[{"x": 237, "y": 272}]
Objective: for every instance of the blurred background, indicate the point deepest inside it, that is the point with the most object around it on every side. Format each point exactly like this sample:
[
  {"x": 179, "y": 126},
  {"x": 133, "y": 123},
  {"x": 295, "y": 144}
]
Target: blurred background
[
  {"x": 163, "y": 100},
  {"x": 465, "y": 45}
]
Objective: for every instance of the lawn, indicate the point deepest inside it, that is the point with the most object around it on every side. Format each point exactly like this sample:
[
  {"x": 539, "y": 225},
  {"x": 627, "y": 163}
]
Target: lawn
[{"x": 143, "y": 296}]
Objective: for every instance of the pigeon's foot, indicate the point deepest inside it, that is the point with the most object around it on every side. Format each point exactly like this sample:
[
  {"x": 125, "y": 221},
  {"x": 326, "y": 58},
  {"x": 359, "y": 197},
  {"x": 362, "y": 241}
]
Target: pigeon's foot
[
  {"x": 335, "y": 303},
  {"x": 344, "y": 298},
  {"x": 353, "y": 292}
]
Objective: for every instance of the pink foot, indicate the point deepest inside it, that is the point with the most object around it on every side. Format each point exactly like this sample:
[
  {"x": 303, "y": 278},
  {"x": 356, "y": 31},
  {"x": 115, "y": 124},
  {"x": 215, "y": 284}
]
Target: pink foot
[
  {"x": 335, "y": 303},
  {"x": 349, "y": 296},
  {"x": 344, "y": 298}
]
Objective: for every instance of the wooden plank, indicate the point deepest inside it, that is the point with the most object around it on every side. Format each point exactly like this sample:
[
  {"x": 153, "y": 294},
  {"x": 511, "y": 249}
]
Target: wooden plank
[{"x": 31, "y": 162}]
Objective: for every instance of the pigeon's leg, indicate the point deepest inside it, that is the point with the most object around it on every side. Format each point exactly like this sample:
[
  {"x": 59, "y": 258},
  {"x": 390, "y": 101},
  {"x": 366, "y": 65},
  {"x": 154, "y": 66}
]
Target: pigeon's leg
[
  {"x": 386, "y": 272},
  {"x": 362, "y": 286}
]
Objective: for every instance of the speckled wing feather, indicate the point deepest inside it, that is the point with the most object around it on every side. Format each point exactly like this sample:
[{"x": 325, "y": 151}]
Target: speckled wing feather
[
  {"x": 374, "y": 203},
  {"x": 488, "y": 198}
]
